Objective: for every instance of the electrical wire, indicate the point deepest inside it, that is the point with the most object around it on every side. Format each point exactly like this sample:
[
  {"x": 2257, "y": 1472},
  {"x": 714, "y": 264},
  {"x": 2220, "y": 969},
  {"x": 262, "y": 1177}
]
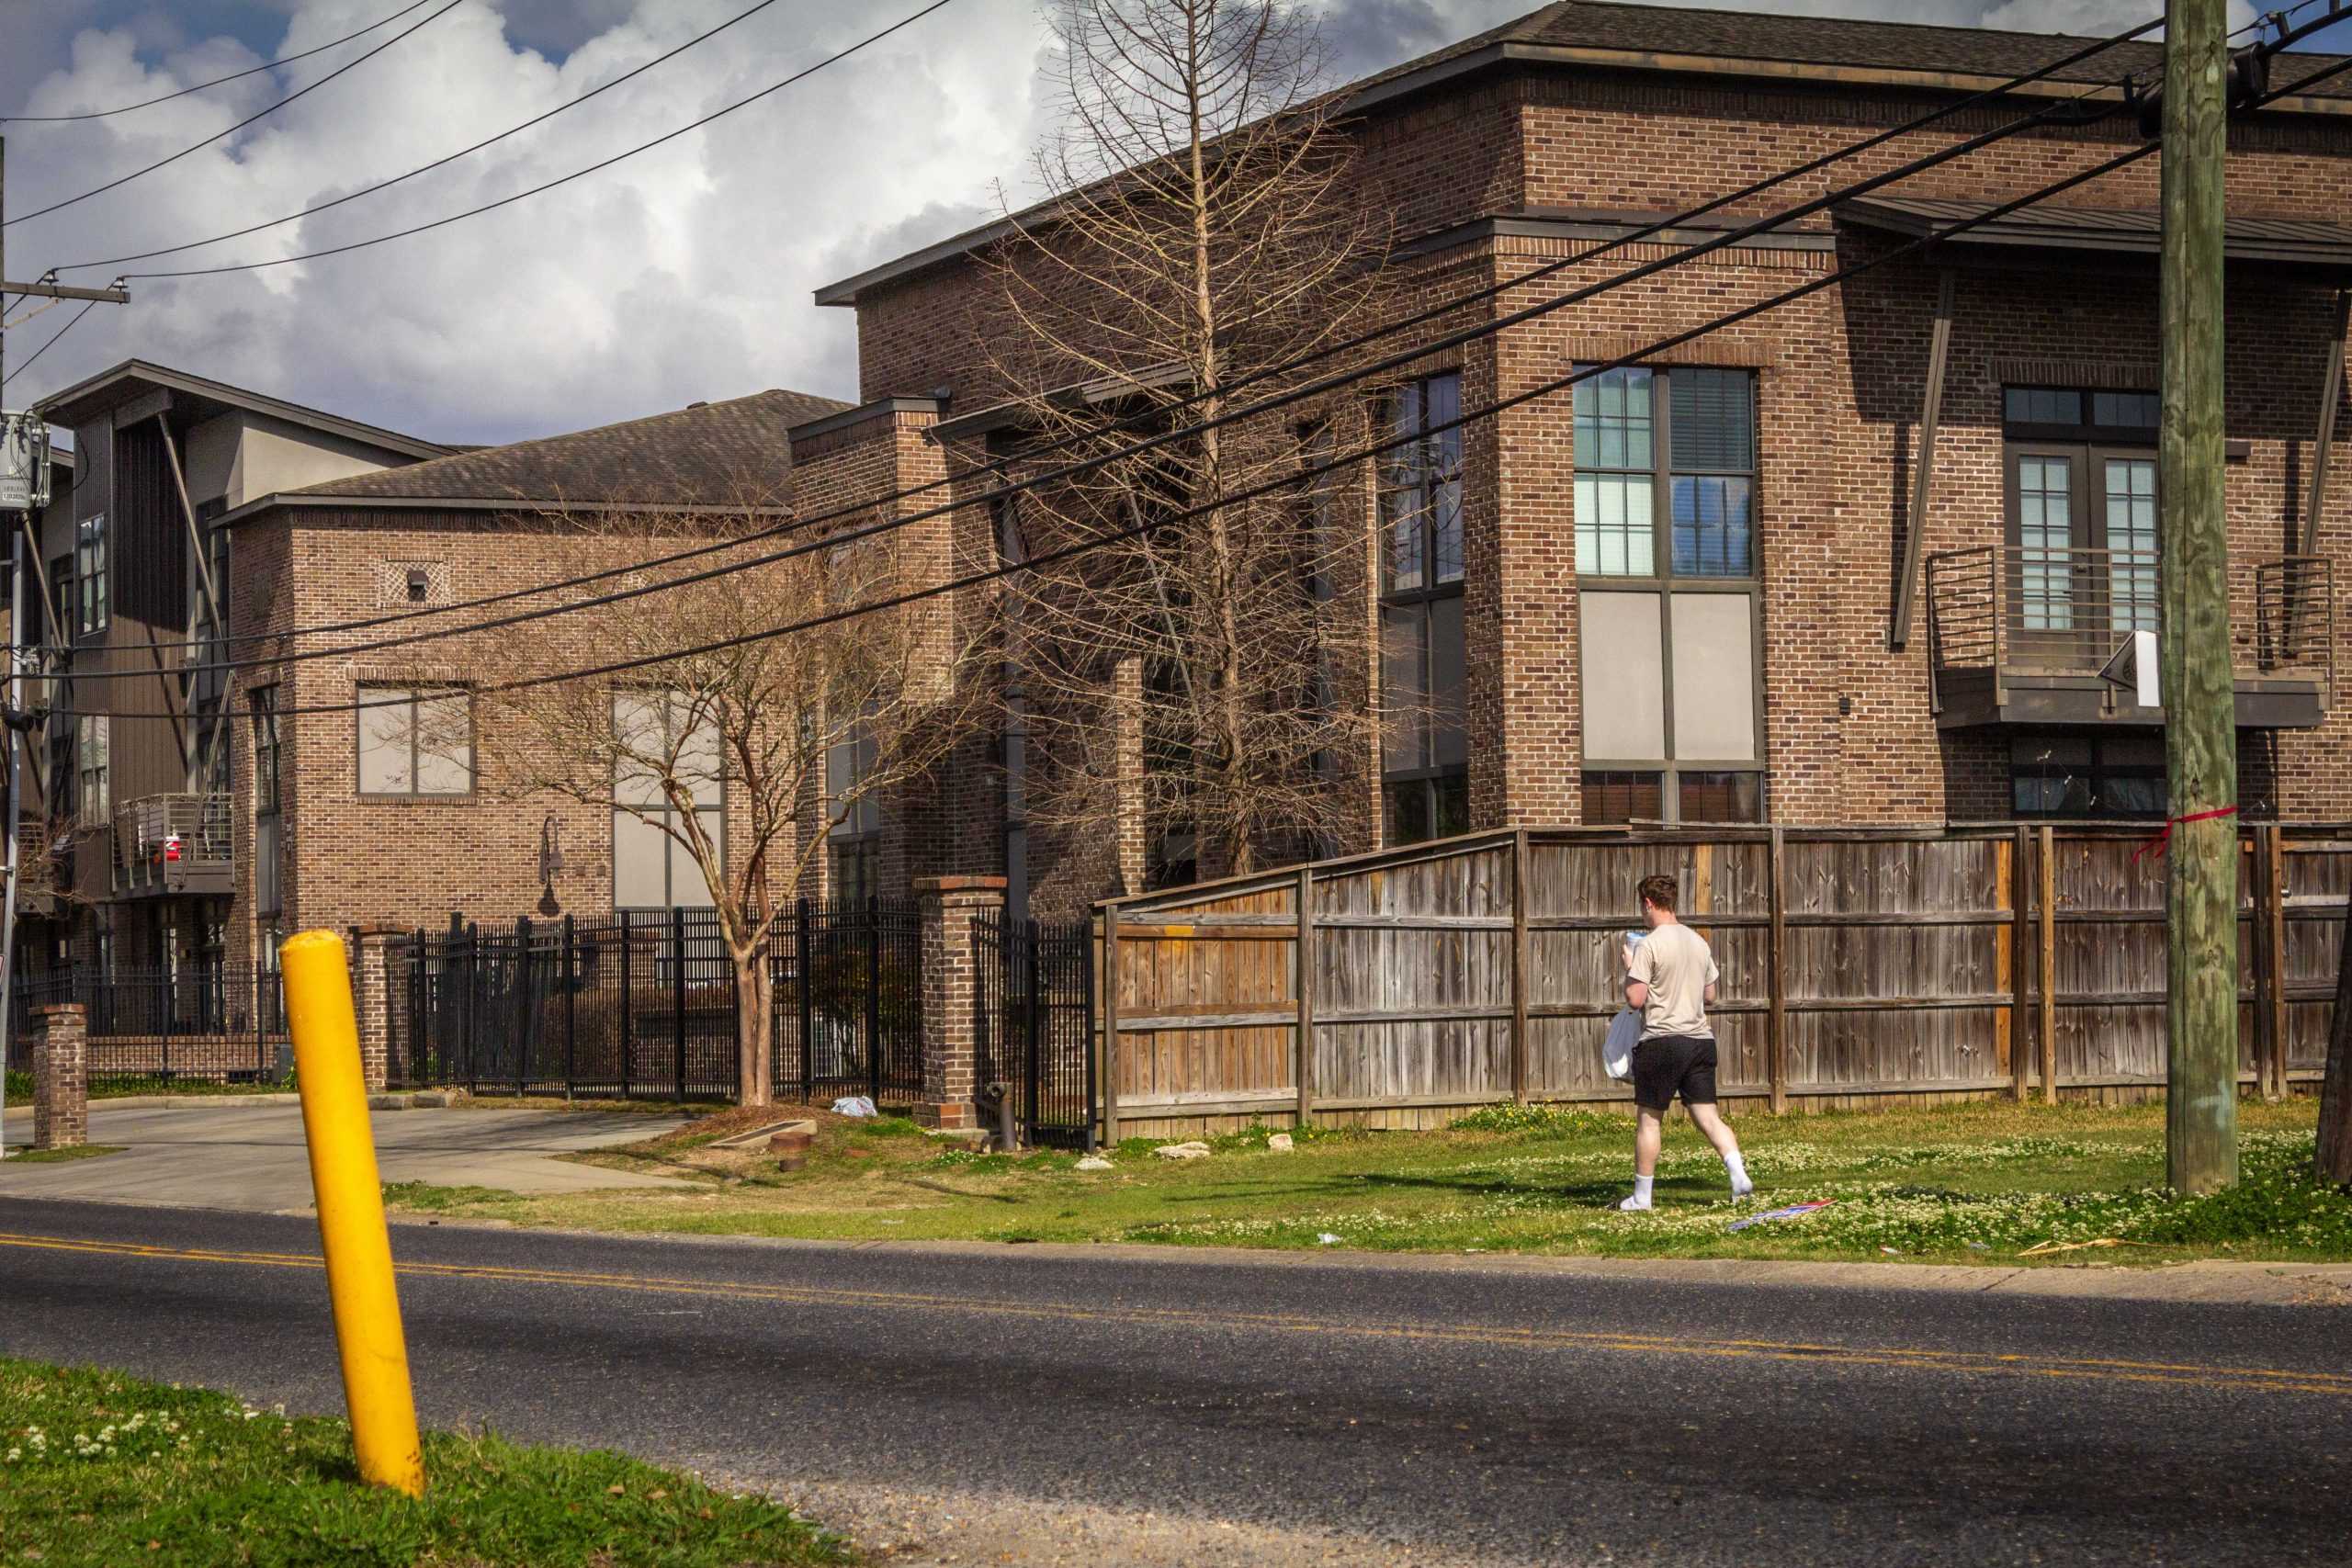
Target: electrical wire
[
  {"x": 438, "y": 163},
  {"x": 75, "y": 321},
  {"x": 1449, "y": 307},
  {"x": 299, "y": 92},
  {"x": 217, "y": 81},
  {"x": 1284, "y": 483},
  {"x": 1312, "y": 389},
  {"x": 773, "y": 88}
]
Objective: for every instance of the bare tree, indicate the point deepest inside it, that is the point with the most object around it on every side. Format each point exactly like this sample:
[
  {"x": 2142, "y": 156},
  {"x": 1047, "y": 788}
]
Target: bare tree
[
  {"x": 741, "y": 757},
  {"x": 1202, "y": 680}
]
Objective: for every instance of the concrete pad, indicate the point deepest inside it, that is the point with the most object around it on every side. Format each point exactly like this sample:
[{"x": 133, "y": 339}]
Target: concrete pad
[{"x": 239, "y": 1155}]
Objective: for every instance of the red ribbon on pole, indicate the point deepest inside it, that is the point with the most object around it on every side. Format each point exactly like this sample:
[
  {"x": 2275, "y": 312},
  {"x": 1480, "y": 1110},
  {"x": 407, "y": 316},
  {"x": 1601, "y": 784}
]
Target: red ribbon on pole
[{"x": 2157, "y": 845}]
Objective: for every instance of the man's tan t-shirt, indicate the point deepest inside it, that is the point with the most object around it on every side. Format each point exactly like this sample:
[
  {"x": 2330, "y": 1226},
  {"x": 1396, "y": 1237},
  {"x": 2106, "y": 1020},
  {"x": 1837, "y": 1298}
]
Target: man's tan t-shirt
[{"x": 1676, "y": 964}]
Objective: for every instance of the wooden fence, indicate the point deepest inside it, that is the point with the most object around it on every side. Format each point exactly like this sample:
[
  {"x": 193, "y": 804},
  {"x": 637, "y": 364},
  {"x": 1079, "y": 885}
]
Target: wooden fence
[{"x": 1859, "y": 965}]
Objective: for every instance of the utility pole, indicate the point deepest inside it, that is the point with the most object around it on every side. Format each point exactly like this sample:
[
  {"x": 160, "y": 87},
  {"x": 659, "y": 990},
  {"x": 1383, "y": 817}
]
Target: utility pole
[
  {"x": 11, "y": 795},
  {"x": 2199, "y": 694}
]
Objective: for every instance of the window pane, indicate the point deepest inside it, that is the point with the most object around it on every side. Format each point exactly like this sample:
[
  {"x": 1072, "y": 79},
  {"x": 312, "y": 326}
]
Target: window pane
[
  {"x": 1713, "y": 529},
  {"x": 1401, "y": 565},
  {"x": 638, "y": 732},
  {"x": 1714, "y": 420},
  {"x": 2131, "y": 541},
  {"x": 1445, "y": 530},
  {"x": 2127, "y": 410},
  {"x": 1409, "y": 811},
  {"x": 1612, "y": 796},
  {"x": 1612, "y": 421},
  {"x": 640, "y": 853},
  {"x": 700, "y": 761},
  {"x": 1450, "y": 804},
  {"x": 687, "y": 884},
  {"x": 1448, "y": 743},
  {"x": 1722, "y": 798},
  {"x": 1615, "y": 525},
  {"x": 445, "y": 745},
  {"x": 1403, "y": 684},
  {"x": 387, "y": 731}
]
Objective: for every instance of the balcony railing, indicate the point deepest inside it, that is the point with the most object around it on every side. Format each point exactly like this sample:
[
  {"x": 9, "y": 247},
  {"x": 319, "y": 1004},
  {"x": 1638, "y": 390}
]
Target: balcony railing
[
  {"x": 2009, "y": 617},
  {"x": 173, "y": 844}
]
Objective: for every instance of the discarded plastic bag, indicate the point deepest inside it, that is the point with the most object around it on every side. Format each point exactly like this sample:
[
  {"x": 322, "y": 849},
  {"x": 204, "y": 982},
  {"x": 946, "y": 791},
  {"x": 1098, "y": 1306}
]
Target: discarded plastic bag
[
  {"x": 1617, "y": 1047},
  {"x": 853, "y": 1105},
  {"x": 1791, "y": 1213}
]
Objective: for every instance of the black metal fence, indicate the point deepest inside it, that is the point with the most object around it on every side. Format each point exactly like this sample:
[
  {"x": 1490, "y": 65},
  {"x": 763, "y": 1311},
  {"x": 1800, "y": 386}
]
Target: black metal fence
[
  {"x": 645, "y": 1005},
  {"x": 1036, "y": 1024},
  {"x": 215, "y": 1022}
]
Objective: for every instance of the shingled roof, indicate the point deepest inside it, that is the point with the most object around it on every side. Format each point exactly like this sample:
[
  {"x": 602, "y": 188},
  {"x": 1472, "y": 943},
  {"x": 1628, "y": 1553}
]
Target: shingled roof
[
  {"x": 733, "y": 453},
  {"x": 1595, "y": 34}
]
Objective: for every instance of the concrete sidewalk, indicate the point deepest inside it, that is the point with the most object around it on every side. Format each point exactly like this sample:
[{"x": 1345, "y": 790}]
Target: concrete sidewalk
[{"x": 234, "y": 1155}]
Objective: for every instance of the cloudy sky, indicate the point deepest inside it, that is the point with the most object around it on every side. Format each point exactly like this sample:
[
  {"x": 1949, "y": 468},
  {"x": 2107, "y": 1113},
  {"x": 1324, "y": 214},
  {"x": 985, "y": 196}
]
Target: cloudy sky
[{"x": 680, "y": 275}]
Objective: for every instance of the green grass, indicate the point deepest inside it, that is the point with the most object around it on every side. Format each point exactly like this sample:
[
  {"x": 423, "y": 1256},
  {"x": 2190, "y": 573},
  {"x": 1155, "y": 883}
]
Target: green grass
[
  {"x": 54, "y": 1156},
  {"x": 97, "y": 1471},
  {"x": 1976, "y": 1183}
]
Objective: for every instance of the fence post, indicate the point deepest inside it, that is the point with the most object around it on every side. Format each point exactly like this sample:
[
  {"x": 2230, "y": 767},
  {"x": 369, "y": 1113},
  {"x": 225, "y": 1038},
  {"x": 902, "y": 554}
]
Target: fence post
[
  {"x": 873, "y": 997},
  {"x": 1518, "y": 969},
  {"x": 1776, "y": 958},
  {"x": 418, "y": 1032},
  {"x": 1111, "y": 1026},
  {"x": 805, "y": 1004},
  {"x": 950, "y": 906},
  {"x": 1034, "y": 1046},
  {"x": 629, "y": 1018},
  {"x": 2272, "y": 903},
  {"x": 1086, "y": 1034},
  {"x": 678, "y": 996},
  {"x": 2020, "y": 905},
  {"x": 1304, "y": 1069},
  {"x": 571, "y": 1010},
  {"x": 523, "y": 966},
  {"x": 2046, "y": 870},
  {"x": 163, "y": 993}
]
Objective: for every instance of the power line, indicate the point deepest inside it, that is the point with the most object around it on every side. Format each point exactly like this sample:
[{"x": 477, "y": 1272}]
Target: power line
[
  {"x": 1282, "y": 483},
  {"x": 217, "y": 81},
  {"x": 1309, "y": 390},
  {"x": 302, "y": 91},
  {"x": 45, "y": 347},
  {"x": 561, "y": 180},
  {"x": 1432, "y": 313},
  {"x": 438, "y": 162}
]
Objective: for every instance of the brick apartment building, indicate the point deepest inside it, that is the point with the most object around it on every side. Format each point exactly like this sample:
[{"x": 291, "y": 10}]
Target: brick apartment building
[
  {"x": 185, "y": 841},
  {"x": 1696, "y": 590}
]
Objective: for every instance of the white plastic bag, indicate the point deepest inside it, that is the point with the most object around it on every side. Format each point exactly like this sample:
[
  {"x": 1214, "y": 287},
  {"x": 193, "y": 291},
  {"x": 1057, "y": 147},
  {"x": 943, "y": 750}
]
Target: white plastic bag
[
  {"x": 1617, "y": 1049},
  {"x": 853, "y": 1105}
]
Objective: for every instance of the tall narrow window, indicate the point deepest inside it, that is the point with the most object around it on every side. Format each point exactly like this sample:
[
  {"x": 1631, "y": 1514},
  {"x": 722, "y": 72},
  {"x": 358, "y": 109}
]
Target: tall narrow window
[
  {"x": 1668, "y": 596},
  {"x": 1424, "y": 752},
  {"x": 92, "y": 768},
  {"x": 269, "y": 896},
  {"x": 63, "y": 613},
  {"x": 855, "y": 809},
  {"x": 656, "y": 744},
  {"x": 2083, "y": 559},
  {"x": 415, "y": 742},
  {"x": 90, "y": 573}
]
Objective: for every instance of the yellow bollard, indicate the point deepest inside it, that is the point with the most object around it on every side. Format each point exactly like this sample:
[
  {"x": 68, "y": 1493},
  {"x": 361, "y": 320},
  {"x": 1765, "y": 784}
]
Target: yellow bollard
[{"x": 351, "y": 1212}]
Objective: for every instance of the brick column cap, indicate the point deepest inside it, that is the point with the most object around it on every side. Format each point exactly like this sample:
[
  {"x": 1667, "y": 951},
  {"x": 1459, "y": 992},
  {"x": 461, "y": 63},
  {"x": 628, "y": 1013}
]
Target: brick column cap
[
  {"x": 929, "y": 886},
  {"x": 61, "y": 1009},
  {"x": 364, "y": 932}
]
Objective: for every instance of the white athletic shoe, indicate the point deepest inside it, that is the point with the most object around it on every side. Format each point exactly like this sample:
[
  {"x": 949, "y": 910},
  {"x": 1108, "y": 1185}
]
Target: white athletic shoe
[
  {"x": 1634, "y": 1205},
  {"x": 1742, "y": 1188}
]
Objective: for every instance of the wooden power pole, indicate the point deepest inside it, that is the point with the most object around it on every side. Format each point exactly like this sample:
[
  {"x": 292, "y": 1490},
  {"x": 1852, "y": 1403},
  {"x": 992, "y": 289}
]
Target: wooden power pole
[{"x": 2199, "y": 695}]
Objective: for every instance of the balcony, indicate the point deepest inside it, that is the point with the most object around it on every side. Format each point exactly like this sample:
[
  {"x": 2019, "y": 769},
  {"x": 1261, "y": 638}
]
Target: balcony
[
  {"x": 2026, "y": 635},
  {"x": 167, "y": 844}
]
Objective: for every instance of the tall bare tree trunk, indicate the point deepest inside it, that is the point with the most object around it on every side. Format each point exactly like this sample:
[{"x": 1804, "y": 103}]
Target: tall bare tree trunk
[{"x": 754, "y": 1029}]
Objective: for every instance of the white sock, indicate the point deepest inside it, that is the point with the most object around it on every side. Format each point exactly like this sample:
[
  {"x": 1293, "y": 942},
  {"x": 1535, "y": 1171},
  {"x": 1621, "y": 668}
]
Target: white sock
[
  {"x": 1641, "y": 1198},
  {"x": 1740, "y": 1185}
]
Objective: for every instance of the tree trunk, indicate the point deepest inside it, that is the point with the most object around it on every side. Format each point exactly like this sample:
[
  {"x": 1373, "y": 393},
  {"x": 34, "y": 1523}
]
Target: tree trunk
[
  {"x": 2335, "y": 1095},
  {"x": 754, "y": 1030}
]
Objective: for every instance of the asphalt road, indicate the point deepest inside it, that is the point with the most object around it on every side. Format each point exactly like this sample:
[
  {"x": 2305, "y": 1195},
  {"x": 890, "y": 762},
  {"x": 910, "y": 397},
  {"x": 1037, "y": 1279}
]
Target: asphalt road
[{"x": 1016, "y": 1406}]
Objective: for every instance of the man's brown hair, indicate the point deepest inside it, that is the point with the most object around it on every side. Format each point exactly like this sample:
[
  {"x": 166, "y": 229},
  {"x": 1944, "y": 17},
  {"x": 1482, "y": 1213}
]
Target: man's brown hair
[{"x": 1660, "y": 891}]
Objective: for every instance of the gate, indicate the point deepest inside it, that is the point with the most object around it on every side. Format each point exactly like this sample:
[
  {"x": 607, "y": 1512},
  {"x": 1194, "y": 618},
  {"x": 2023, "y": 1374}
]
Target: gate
[
  {"x": 1035, "y": 1023},
  {"x": 645, "y": 1005}
]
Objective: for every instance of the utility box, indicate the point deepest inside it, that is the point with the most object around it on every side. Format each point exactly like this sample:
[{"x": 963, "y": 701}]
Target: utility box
[{"x": 24, "y": 462}]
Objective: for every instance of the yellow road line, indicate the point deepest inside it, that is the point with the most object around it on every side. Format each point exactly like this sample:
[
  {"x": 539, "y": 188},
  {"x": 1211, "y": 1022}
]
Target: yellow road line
[{"x": 1916, "y": 1357}]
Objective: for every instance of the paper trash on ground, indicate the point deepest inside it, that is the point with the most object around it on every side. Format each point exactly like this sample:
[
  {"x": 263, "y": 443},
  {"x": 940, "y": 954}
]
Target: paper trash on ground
[{"x": 1791, "y": 1213}]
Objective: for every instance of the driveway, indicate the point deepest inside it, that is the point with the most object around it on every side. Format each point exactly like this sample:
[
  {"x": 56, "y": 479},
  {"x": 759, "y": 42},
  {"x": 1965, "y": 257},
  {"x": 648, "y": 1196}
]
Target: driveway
[{"x": 237, "y": 1156}]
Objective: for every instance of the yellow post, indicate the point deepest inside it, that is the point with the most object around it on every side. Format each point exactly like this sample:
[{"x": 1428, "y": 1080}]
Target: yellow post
[{"x": 351, "y": 1212}]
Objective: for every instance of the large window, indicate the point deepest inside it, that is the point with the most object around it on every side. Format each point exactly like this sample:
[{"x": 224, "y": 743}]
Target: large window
[
  {"x": 656, "y": 743},
  {"x": 1666, "y": 510},
  {"x": 2089, "y": 776},
  {"x": 269, "y": 882},
  {"x": 855, "y": 811},
  {"x": 1425, "y": 755},
  {"x": 90, "y": 573},
  {"x": 96, "y": 792},
  {"x": 415, "y": 742},
  {"x": 2082, "y": 516}
]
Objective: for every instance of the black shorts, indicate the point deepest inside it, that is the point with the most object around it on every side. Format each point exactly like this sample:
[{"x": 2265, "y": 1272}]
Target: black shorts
[{"x": 1667, "y": 1064}]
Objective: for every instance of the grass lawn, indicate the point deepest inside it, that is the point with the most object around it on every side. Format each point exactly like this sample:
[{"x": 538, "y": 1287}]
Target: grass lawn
[
  {"x": 53, "y": 1156},
  {"x": 97, "y": 1471},
  {"x": 1976, "y": 1183}
]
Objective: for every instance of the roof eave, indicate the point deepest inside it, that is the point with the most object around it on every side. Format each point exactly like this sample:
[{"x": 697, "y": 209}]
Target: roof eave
[
  {"x": 54, "y": 406},
  {"x": 310, "y": 500}
]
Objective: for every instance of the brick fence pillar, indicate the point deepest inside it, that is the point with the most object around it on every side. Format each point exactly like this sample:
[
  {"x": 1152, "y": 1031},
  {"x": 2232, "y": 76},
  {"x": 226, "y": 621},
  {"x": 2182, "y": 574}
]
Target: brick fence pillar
[
  {"x": 950, "y": 994},
  {"x": 61, "y": 1078},
  {"x": 371, "y": 999}
]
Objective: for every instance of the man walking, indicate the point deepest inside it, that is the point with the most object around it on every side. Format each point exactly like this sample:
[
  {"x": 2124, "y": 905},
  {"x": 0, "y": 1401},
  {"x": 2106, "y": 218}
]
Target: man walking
[{"x": 1669, "y": 980}]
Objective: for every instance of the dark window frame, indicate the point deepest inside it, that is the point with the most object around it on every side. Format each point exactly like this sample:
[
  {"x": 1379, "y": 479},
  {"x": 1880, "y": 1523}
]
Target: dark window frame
[
  {"x": 269, "y": 869},
  {"x": 2100, "y": 776},
  {"x": 416, "y": 697},
  {"x": 1420, "y": 487},
  {"x": 92, "y": 611},
  {"x": 1663, "y": 470}
]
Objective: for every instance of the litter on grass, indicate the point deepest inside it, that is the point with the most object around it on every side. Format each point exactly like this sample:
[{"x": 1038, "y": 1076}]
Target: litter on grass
[
  {"x": 853, "y": 1105},
  {"x": 2044, "y": 1248},
  {"x": 1791, "y": 1213}
]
